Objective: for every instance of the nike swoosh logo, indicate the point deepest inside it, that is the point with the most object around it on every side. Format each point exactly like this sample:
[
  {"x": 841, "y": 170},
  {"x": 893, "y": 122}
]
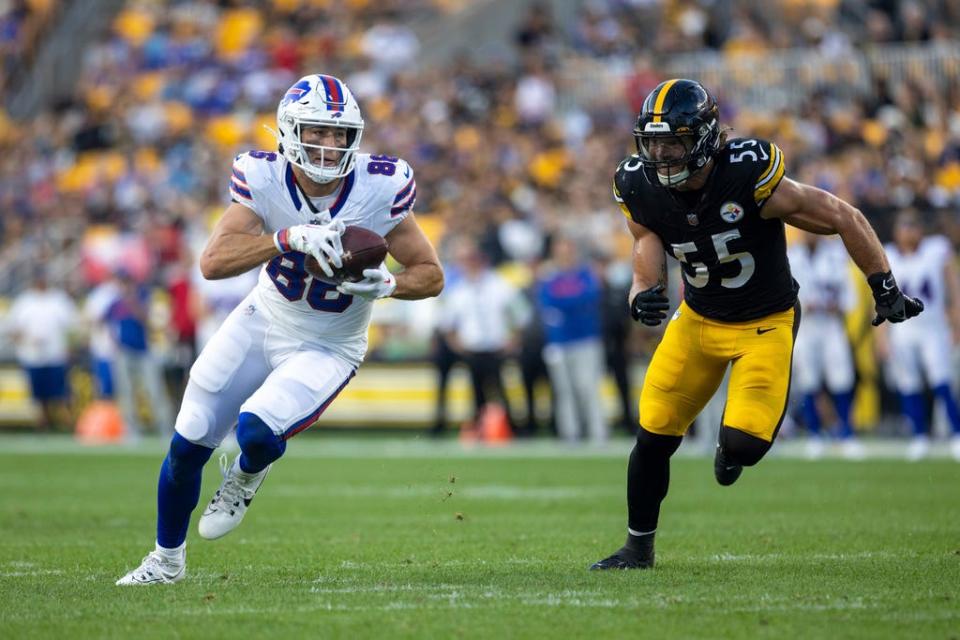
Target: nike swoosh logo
[
  {"x": 887, "y": 285},
  {"x": 761, "y": 331},
  {"x": 406, "y": 173}
]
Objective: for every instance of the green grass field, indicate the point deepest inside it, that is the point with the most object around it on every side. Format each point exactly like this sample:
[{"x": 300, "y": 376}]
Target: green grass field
[{"x": 375, "y": 538}]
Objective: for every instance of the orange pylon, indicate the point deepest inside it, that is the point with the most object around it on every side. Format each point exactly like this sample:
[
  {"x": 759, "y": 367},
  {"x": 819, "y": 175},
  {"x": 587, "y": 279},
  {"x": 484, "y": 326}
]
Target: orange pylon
[
  {"x": 494, "y": 425},
  {"x": 100, "y": 423}
]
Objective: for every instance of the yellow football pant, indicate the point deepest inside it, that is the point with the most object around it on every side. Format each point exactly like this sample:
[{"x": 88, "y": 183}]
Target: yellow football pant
[{"x": 690, "y": 361}]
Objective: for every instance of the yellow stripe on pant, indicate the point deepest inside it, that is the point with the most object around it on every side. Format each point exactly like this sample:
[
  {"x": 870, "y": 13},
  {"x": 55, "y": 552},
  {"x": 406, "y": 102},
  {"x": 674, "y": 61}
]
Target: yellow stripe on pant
[{"x": 690, "y": 361}]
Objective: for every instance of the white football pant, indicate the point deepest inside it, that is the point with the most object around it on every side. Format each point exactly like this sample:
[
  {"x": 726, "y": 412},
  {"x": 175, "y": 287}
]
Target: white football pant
[{"x": 255, "y": 366}]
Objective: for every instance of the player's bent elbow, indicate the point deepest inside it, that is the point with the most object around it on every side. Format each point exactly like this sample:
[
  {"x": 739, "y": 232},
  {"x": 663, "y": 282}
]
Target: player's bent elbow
[
  {"x": 210, "y": 267},
  {"x": 438, "y": 283}
]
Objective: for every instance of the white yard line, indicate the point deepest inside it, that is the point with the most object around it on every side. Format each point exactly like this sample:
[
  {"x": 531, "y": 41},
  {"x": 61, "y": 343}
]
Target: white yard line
[
  {"x": 441, "y": 491},
  {"x": 31, "y": 574}
]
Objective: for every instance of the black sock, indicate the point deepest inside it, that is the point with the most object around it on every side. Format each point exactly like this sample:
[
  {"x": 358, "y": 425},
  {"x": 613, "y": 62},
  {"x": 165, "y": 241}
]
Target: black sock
[
  {"x": 648, "y": 476},
  {"x": 641, "y": 545}
]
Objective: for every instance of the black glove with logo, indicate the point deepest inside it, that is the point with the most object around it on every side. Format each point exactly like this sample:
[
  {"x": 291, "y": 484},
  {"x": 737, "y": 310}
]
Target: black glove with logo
[
  {"x": 650, "y": 306},
  {"x": 891, "y": 304}
]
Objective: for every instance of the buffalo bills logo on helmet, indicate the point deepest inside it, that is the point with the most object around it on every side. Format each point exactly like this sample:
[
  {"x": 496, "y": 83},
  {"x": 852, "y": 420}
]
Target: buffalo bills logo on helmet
[{"x": 296, "y": 92}]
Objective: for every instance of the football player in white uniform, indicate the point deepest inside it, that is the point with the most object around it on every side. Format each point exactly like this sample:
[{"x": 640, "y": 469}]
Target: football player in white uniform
[
  {"x": 920, "y": 351},
  {"x": 822, "y": 351},
  {"x": 295, "y": 342}
]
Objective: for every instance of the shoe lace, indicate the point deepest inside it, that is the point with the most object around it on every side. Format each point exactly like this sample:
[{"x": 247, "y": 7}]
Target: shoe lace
[
  {"x": 152, "y": 566},
  {"x": 231, "y": 492}
]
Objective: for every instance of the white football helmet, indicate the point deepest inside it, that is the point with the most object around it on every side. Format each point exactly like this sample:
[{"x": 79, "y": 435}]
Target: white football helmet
[{"x": 319, "y": 100}]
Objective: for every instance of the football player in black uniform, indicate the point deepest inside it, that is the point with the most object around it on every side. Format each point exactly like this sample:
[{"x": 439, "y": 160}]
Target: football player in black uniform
[{"x": 719, "y": 207}]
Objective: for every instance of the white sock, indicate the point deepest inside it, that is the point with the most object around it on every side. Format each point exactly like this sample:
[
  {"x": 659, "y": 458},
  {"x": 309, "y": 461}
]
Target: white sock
[
  {"x": 244, "y": 475},
  {"x": 173, "y": 556}
]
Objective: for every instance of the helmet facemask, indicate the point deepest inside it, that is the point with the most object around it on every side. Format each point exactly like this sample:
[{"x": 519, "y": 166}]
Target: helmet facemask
[
  {"x": 677, "y": 131},
  {"x": 304, "y": 155},
  {"x": 319, "y": 101},
  {"x": 675, "y": 156}
]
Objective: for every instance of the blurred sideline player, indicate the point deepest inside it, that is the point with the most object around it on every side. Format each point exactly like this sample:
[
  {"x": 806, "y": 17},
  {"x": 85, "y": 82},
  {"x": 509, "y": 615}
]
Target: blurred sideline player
[
  {"x": 921, "y": 350},
  {"x": 103, "y": 347},
  {"x": 41, "y": 323},
  {"x": 822, "y": 352},
  {"x": 719, "y": 207},
  {"x": 295, "y": 341}
]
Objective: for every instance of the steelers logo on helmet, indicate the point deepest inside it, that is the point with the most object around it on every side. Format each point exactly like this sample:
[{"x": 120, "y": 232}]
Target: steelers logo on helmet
[
  {"x": 731, "y": 211},
  {"x": 677, "y": 131},
  {"x": 319, "y": 101}
]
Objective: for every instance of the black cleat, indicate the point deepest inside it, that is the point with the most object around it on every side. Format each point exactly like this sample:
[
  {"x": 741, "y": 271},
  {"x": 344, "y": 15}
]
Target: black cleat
[
  {"x": 624, "y": 559},
  {"x": 725, "y": 472},
  {"x": 636, "y": 553}
]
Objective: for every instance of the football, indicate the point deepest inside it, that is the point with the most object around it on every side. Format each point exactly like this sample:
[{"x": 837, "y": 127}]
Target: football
[{"x": 362, "y": 249}]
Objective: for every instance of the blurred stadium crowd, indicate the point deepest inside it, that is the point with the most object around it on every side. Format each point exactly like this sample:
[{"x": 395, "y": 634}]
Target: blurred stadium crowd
[{"x": 513, "y": 148}]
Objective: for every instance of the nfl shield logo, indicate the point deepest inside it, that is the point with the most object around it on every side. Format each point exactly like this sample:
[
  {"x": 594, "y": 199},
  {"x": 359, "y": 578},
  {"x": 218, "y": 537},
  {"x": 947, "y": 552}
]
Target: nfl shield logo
[{"x": 692, "y": 219}]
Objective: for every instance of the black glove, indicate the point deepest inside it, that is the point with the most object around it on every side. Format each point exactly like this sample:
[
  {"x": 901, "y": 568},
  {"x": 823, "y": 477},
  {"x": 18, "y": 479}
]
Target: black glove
[
  {"x": 649, "y": 306},
  {"x": 891, "y": 304}
]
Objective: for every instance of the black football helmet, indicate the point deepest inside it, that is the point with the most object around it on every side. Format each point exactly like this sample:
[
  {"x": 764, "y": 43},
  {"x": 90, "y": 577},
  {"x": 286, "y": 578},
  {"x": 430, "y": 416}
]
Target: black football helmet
[{"x": 678, "y": 130}]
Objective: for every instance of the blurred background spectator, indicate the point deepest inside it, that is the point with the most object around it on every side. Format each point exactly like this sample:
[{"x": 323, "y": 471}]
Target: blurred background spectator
[
  {"x": 483, "y": 314},
  {"x": 569, "y": 296},
  {"x": 103, "y": 344},
  {"x": 120, "y": 120},
  {"x": 40, "y": 324},
  {"x": 138, "y": 372}
]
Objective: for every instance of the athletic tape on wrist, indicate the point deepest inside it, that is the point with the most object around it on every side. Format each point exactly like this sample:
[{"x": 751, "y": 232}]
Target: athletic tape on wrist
[{"x": 280, "y": 241}]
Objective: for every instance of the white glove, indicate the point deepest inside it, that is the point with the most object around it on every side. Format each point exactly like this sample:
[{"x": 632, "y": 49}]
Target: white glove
[
  {"x": 322, "y": 241},
  {"x": 376, "y": 283}
]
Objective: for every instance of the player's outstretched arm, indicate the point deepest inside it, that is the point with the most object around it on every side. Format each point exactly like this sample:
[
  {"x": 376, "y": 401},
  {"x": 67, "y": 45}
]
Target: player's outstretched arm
[
  {"x": 236, "y": 245},
  {"x": 422, "y": 276},
  {"x": 648, "y": 304},
  {"x": 818, "y": 211}
]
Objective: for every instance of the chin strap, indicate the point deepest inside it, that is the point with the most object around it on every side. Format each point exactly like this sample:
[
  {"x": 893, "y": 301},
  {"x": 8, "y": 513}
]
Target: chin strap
[{"x": 673, "y": 180}]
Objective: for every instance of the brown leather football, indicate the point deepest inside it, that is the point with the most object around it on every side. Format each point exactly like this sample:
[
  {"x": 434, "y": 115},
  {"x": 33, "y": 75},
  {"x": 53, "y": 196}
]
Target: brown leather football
[{"x": 362, "y": 249}]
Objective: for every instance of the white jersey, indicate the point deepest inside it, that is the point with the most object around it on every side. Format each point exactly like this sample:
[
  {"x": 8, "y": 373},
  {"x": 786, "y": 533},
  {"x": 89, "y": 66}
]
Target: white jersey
[
  {"x": 921, "y": 275},
  {"x": 378, "y": 194},
  {"x": 824, "y": 277},
  {"x": 920, "y": 347},
  {"x": 102, "y": 343},
  {"x": 822, "y": 351},
  {"x": 42, "y": 319}
]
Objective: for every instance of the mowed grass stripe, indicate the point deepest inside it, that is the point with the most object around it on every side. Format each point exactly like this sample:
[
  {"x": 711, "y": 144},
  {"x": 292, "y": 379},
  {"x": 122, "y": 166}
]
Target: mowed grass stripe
[{"x": 318, "y": 443}]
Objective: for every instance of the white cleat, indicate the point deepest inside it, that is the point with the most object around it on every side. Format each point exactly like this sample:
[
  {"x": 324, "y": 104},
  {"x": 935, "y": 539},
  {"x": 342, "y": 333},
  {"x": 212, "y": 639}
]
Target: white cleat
[
  {"x": 918, "y": 449},
  {"x": 852, "y": 449},
  {"x": 815, "y": 448},
  {"x": 955, "y": 447},
  {"x": 155, "y": 569},
  {"x": 230, "y": 502}
]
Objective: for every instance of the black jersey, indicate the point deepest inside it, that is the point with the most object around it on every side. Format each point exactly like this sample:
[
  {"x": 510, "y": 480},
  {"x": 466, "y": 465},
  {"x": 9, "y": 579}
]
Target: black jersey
[{"x": 734, "y": 262}]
